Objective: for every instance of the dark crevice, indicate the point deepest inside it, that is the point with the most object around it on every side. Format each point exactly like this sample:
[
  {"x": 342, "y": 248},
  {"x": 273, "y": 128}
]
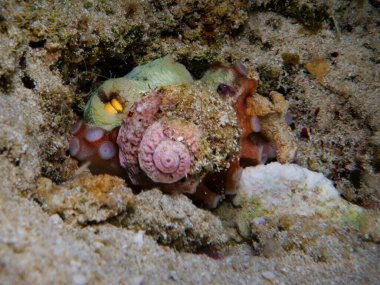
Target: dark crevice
[
  {"x": 37, "y": 44},
  {"x": 312, "y": 17},
  {"x": 5, "y": 83},
  {"x": 196, "y": 66},
  {"x": 28, "y": 82},
  {"x": 114, "y": 68}
]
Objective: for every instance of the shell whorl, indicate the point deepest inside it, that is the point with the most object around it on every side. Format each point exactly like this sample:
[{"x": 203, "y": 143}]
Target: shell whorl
[{"x": 164, "y": 154}]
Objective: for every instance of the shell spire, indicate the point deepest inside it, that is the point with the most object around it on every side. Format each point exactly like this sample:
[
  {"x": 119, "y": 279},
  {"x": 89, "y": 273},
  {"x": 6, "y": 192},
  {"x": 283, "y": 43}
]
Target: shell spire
[{"x": 166, "y": 159}]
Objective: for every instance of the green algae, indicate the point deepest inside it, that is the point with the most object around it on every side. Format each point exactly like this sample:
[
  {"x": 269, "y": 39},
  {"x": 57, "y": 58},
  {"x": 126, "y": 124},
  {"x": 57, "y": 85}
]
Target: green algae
[
  {"x": 312, "y": 17},
  {"x": 355, "y": 217},
  {"x": 214, "y": 77},
  {"x": 128, "y": 89},
  {"x": 269, "y": 79}
]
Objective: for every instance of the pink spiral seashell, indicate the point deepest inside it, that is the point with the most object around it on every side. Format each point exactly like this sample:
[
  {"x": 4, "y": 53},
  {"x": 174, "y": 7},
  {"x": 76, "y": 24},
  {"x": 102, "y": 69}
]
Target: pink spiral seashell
[
  {"x": 163, "y": 159},
  {"x": 153, "y": 148},
  {"x": 166, "y": 156},
  {"x": 134, "y": 125}
]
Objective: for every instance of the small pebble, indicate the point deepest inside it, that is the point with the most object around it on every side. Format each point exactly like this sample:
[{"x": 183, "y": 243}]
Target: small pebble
[
  {"x": 55, "y": 219},
  {"x": 268, "y": 275},
  {"x": 79, "y": 279},
  {"x": 139, "y": 239},
  {"x": 259, "y": 221},
  {"x": 136, "y": 280}
]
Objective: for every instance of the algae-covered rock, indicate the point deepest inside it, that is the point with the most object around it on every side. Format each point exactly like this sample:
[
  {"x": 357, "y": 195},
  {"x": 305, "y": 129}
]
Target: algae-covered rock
[
  {"x": 298, "y": 202},
  {"x": 313, "y": 15},
  {"x": 171, "y": 220}
]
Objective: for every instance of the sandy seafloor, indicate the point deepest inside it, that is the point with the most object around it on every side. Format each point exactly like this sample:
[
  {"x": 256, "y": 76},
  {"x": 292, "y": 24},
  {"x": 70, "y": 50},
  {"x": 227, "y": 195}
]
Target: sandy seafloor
[{"x": 53, "y": 54}]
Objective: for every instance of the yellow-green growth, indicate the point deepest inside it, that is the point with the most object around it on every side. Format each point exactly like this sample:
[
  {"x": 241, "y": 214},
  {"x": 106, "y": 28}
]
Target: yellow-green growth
[
  {"x": 252, "y": 209},
  {"x": 95, "y": 114},
  {"x": 161, "y": 72},
  {"x": 214, "y": 77},
  {"x": 355, "y": 217},
  {"x": 130, "y": 88},
  {"x": 125, "y": 91}
]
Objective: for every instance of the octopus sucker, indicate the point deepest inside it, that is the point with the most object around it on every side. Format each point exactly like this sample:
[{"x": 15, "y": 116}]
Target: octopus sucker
[{"x": 157, "y": 127}]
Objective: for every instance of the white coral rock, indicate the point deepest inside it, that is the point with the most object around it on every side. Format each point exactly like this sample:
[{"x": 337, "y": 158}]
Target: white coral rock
[
  {"x": 285, "y": 186},
  {"x": 275, "y": 190}
]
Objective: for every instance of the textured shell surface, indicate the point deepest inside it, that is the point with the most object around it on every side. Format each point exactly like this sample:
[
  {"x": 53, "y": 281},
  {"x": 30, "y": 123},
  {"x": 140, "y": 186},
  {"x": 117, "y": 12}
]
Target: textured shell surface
[
  {"x": 181, "y": 107},
  {"x": 215, "y": 118}
]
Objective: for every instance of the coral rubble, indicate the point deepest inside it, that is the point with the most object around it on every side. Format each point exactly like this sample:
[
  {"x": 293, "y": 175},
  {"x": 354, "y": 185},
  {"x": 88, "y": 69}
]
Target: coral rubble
[
  {"x": 270, "y": 194},
  {"x": 175, "y": 221},
  {"x": 86, "y": 198}
]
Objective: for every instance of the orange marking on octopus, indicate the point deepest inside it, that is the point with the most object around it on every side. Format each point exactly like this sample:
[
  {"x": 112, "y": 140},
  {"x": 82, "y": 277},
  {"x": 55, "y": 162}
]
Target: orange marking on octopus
[{"x": 248, "y": 151}]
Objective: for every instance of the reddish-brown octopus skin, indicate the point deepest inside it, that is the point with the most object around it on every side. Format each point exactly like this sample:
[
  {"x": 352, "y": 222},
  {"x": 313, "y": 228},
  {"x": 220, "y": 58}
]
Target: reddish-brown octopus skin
[
  {"x": 96, "y": 146},
  {"x": 254, "y": 148},
  {"x": 250, "y": 153}
]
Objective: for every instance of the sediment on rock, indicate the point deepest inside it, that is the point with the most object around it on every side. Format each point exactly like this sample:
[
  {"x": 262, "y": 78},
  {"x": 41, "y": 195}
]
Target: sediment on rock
[
  {"x": 174, "y": 220},
  {"x": 171, "y": 220},
  {"x": 86, "y": 198}
]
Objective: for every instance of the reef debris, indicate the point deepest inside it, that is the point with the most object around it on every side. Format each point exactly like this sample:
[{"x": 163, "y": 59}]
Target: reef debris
[
  {"x": 170, "y": 219},
  {"x": 86, "y": 198},
  {"x": 174, "y": 220}
]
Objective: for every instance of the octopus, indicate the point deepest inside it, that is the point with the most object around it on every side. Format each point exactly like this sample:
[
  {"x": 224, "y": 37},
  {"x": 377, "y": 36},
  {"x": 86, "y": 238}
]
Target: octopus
[{"x": 158, "y": 127}]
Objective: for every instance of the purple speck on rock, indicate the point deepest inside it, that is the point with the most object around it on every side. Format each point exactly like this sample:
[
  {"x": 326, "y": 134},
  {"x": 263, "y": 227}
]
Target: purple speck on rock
[
  {"x": 210, "y": 251},
  {"x": 226, "y": 90}
]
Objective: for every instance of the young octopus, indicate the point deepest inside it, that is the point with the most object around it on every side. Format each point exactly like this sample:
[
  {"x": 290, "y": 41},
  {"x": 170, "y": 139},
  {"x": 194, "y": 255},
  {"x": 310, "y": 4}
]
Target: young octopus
[{"x": 157, "y": 127}]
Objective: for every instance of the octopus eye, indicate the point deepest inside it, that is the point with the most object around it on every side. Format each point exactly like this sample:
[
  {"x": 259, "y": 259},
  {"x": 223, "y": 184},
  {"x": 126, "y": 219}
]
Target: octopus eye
[
  {"x": 226, "y": 90},
  {"x": 113, "y": 107}
]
